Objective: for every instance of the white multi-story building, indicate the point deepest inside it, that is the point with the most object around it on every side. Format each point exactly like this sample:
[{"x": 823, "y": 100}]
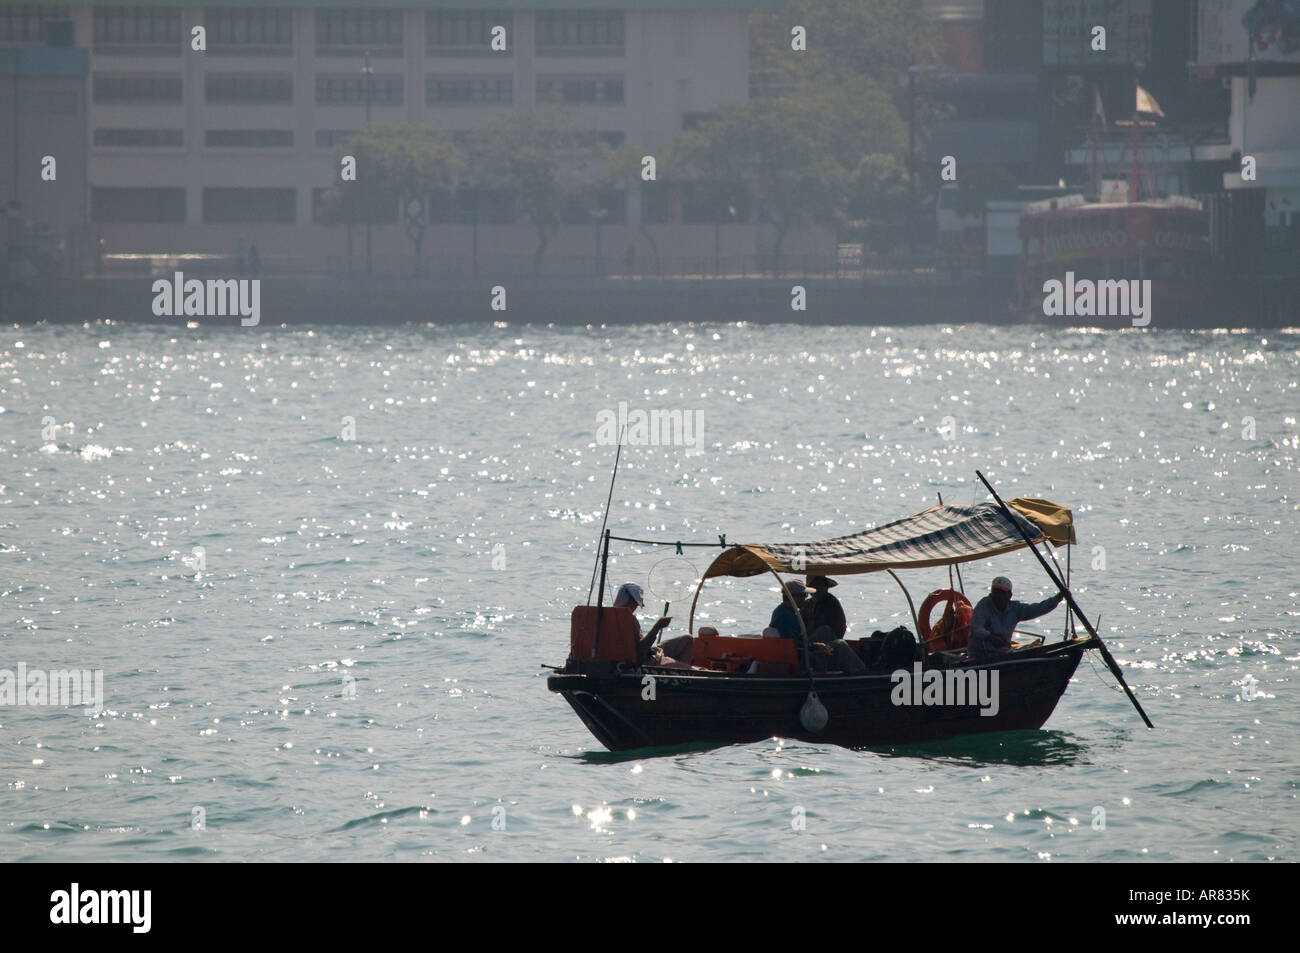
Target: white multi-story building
[
  {"x": 197, "y": 150},
  {"x": 1255, "y": 49}
]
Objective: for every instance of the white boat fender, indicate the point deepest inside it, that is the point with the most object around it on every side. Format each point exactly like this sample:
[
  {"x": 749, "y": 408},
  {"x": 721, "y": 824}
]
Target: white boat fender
[{"x": 813, "y": 716}]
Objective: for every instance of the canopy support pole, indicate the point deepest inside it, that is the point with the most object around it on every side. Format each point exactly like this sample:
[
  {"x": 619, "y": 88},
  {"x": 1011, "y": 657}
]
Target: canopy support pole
[
  {"x": 915, "y": 624},
  {"x": 690, "y": 623},
  {"x": 951, "y": 566},
  {"x": 802, "y": 628},
  {"x": 813, "y": 715},
  {"x": 1064, "y": 575},
  {"x": 1074, "y": 606}
]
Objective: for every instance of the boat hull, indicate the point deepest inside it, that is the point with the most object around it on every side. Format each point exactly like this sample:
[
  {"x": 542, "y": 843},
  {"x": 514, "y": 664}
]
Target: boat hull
[{"x": 689, "y": 706}]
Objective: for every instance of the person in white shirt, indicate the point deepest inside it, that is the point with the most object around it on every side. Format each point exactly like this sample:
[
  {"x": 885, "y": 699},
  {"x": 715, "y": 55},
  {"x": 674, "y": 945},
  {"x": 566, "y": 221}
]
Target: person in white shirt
[{"x": 995, "y": 618}]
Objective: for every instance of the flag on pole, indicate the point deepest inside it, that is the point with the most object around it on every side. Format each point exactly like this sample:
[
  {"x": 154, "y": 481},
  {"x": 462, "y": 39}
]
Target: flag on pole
[
  {"x": 1098, "y": 110},
  {"x": 1146, "y": 103}
]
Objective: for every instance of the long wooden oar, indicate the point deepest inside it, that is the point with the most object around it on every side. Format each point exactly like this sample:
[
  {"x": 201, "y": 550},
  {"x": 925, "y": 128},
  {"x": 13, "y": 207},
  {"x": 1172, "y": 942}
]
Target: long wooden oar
[{"x": 1074, "y": 606}]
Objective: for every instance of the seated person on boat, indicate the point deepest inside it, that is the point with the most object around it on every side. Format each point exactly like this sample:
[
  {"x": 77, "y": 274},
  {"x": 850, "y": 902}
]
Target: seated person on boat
[
  {"x": 672, "y": 651},
  {"x": 827, "y": 649},
  {"x": 995, "y": 618},
  {"x": 785, "y": 617},
  {"x": 825, "y": 615}
]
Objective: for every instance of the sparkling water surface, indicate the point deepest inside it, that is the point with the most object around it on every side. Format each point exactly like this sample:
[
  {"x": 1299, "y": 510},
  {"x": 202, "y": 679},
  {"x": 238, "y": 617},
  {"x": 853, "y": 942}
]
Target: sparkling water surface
[{"x": 349, "y": 667}]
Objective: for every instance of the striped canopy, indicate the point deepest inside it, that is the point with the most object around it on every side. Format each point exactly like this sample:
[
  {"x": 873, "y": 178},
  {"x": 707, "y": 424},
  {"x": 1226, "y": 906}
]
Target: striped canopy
[{"x": 941, "y": 536}]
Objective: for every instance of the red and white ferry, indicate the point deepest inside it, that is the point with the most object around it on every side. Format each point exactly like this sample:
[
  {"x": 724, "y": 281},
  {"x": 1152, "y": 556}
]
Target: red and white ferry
[{"x": 1120, "y": 234}]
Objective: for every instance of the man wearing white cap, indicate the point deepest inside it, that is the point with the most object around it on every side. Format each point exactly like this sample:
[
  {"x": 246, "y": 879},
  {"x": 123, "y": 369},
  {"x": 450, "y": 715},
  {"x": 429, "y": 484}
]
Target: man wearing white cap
[
  {"x": 630, "y": 596},
  {"x": 995, "y": 618}
]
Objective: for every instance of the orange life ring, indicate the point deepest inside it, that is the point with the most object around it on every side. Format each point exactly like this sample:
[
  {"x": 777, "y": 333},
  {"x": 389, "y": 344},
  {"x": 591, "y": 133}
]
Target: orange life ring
[{"x": 953, "y": 628}]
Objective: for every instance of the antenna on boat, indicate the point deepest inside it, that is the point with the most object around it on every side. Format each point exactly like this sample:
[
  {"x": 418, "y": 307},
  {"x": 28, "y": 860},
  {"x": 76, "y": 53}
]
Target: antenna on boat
[
  {"x": 1074, "y": 606},
  {"x": 603, "y": 539}
]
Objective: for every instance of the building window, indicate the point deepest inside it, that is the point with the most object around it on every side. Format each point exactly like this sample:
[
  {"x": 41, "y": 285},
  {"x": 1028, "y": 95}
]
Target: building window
[
  {"x": 329, "y": 138},
  {"x": 139, "y": 138},
  {"x": 25, "y": 22},
  {"x": 468, "y": 90},
  {"x": 351, "y": 90},
  {"x": 249, "y": 206},
  {"x": 580, "y": 90},
  {"x": 50, "y": 102},
  {"x": 579, "y": 33},
  {"x": 109, "y": 88},
  {"x": 354, "y": 31},
  {"x": 121, "y": 206},
  {"x": 249, "y": 90},
  {"x": 465, "y": 32},
  {"x": 249, "y": 139},
  {"x": 137, "y": 26},
  {"x": 244, "y": 30}
]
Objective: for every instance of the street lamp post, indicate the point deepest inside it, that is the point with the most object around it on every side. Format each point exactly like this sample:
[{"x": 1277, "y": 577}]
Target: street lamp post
[
  {"x": 367, "y": 70},
  {"x": 11, "y": 212},
  {"x": 18, "y": 112},
  {"x": 911, "y": 162},
  {"x": 912, "y": 72}
]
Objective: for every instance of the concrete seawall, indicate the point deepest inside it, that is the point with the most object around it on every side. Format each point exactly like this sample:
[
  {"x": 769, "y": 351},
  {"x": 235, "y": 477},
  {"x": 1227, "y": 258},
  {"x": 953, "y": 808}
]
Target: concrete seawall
[{"x": 873, "y": 301}]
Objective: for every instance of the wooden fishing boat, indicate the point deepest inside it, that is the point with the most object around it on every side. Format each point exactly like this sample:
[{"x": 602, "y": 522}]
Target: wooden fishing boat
[{"x": 740, "y": 689}]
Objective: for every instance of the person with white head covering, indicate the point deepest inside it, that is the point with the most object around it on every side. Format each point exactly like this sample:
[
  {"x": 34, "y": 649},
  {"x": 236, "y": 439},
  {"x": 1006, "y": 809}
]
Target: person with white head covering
[
  {"x": 995, "y": 618},
  {"x": 631, "y": 597}
]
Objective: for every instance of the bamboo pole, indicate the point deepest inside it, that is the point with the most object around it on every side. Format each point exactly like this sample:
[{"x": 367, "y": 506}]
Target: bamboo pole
[{"x": 1074, "y": 606}]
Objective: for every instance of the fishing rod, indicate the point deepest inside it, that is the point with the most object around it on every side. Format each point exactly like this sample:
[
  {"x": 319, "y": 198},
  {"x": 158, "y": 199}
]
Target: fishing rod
[
  {"x": 602, "y": 551},
  {"x": 1074, "y": 606},
  {"x": 604, "y": 536}
]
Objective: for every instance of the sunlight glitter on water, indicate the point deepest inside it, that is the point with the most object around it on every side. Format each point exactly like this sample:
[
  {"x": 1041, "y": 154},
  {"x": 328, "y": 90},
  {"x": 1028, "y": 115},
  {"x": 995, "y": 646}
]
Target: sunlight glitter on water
[{"x": 380, "y": 551}]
